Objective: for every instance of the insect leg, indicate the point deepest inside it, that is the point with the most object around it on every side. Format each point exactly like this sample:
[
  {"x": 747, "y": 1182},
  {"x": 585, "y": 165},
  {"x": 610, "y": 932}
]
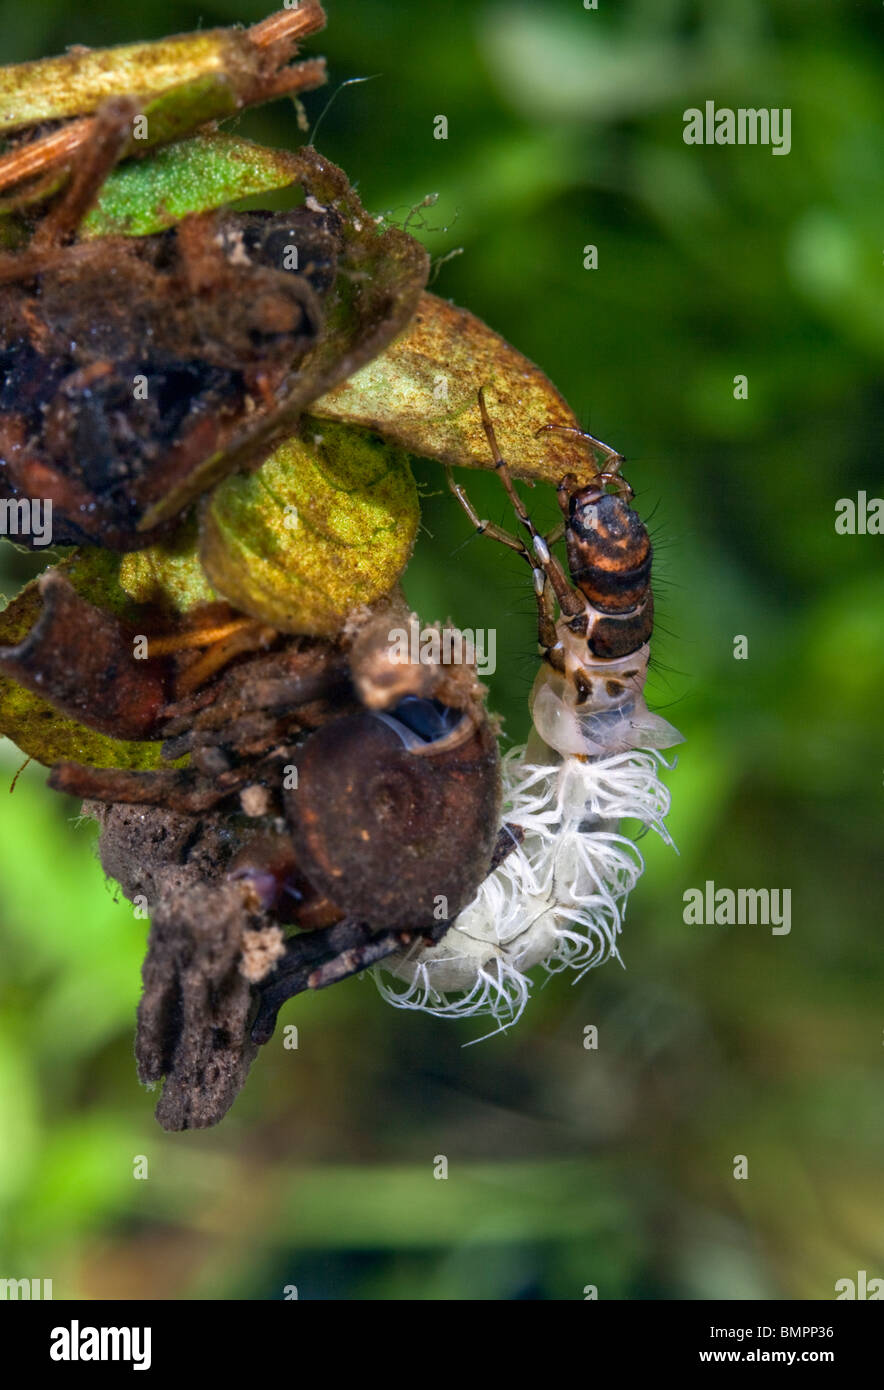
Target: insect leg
[
  {"x": 612, "y": 460},
  {"x": 547, "y": 635},
  {"x": 546, "y": 618},
  {"x": 486, "y": 528},
  {"x": 570, "y": 603}
]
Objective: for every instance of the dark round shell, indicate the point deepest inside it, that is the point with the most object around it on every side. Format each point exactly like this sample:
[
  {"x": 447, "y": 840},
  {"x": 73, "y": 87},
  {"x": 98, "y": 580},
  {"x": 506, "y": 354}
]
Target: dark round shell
[{"x": 398, "y": 839}]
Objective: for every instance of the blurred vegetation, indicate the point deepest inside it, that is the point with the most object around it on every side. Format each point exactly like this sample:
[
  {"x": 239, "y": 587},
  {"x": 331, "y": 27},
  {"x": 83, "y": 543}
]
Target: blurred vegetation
[{"x": 567, "y": 1167}]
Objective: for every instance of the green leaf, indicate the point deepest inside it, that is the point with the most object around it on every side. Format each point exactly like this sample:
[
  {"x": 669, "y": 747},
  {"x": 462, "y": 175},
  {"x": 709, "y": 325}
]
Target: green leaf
[{"x": 143, "y": 196}]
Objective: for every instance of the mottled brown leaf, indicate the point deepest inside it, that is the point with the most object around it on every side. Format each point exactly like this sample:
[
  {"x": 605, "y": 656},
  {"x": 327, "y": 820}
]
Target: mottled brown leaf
[{"x": 421, "y": 393}]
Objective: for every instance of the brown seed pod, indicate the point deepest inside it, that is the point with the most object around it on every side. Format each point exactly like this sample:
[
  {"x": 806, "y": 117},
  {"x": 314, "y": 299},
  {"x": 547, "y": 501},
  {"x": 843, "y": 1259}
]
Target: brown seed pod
[
  {"x": 138, "y": 371},
  {"x": 122, "y": 366},
  {"x": 395, "y": 827}
]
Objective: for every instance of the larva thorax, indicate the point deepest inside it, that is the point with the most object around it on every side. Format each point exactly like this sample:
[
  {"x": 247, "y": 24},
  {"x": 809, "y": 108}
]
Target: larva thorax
[{"x": 602, "y": 648}]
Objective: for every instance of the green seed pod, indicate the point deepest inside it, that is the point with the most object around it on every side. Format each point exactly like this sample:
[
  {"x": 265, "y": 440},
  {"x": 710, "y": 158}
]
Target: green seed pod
[{"x": 325, "y": 525}]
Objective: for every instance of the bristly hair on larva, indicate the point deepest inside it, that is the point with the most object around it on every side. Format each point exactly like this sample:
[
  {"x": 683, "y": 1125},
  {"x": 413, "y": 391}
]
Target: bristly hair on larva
[{"x": 593, "y": 760}]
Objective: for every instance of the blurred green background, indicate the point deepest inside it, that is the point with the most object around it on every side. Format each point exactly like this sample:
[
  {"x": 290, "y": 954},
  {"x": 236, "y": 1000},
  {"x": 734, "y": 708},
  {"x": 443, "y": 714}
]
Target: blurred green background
[{"x": 567, "y": 1167}]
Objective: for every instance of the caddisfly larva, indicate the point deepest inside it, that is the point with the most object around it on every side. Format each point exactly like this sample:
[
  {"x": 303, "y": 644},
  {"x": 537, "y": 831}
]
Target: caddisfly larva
[{"x": 593, "y": 760}]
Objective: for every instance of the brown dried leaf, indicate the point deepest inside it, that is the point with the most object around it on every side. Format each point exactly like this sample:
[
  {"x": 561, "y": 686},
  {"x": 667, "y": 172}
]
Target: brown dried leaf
[
  {"x": 81, "y": 659},
  {"x": 36, "y": 726},
  {"x": 421, "y": 393}
]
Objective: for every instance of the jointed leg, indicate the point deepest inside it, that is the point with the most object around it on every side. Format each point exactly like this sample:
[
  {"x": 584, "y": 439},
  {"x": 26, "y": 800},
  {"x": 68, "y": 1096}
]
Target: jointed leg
[
  {"x": 546, "y": 612},
  {"x": 570, "y": 604},
  {"x": 613, "y": 461},
  {"x": 546, "y": 618},
  {"x": 486, "y": 528}
]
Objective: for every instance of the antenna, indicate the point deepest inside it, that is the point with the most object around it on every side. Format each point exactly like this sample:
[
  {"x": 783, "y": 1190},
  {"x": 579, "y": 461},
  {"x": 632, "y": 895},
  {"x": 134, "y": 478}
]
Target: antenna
[{"x": 350, "y": 82}]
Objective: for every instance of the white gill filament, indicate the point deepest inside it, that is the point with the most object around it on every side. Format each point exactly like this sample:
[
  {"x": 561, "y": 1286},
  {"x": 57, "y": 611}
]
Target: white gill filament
[{"x": 557, "y": 900}]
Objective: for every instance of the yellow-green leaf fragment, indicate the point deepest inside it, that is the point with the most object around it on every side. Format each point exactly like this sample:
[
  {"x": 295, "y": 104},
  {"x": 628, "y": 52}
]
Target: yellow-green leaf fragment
[
  {"x": 240, "y": 63},
  {"x": 31, "y": 722},
  {"x": 175, "y": 86},
  {"x": 144, "y": 196},
  {"x": 168, "y": 575},
  {"x": 76, "y": 83},
  {"x": 421, "y": 393},
  {"x": 326, "y": 524}
]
